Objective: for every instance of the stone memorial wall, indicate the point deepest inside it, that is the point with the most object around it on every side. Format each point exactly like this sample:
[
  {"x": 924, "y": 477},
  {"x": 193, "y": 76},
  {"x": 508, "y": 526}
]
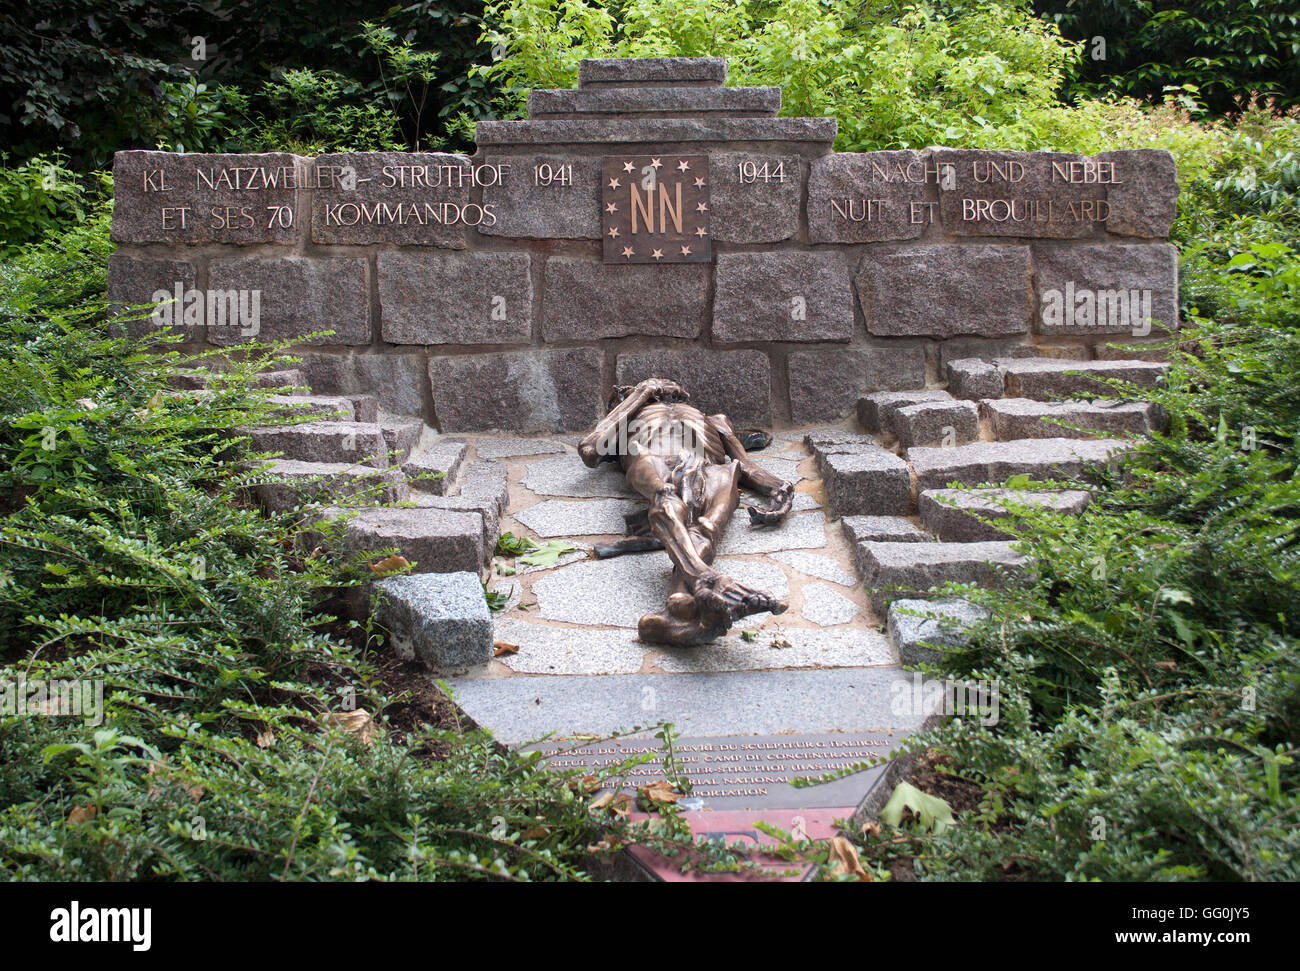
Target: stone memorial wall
[{"x": 650, "y": 222}]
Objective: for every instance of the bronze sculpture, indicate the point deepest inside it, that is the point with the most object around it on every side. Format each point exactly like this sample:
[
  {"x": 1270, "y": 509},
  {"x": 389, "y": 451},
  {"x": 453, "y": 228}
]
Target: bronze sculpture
[{"x": 691, "y": 467}]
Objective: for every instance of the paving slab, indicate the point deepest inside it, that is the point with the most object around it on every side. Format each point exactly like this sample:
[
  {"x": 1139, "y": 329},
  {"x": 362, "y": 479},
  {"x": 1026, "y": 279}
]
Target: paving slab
[
  {"x": 526, "y": 708},
  {"x": 826, "y": 608},
  {"x": 590, "y": 517},
  {"x": 816, "y": 565},
  {"x": 797, "y": 531},
  {"x": 781, "y": 648},
  {"x": 506, "y": 448},
  {"x": 565, "y": 475},
  {"x": 568, "y": 650},
  {"x": 618, "y": 591}
]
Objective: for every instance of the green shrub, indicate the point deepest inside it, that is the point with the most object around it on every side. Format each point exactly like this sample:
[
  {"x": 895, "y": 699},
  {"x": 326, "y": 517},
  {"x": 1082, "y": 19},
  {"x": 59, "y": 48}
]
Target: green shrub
[
  {"x": 245, "y": 734},
  {"x": 1149, "y": 670}
]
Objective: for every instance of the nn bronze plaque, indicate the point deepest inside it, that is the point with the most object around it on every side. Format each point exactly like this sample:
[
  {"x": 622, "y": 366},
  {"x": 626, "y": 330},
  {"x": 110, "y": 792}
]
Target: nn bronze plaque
[{"x": 655, "y": 209}]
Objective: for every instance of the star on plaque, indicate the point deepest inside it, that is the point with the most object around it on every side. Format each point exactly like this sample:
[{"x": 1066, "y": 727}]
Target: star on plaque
[{"x": 655, "y": 211}]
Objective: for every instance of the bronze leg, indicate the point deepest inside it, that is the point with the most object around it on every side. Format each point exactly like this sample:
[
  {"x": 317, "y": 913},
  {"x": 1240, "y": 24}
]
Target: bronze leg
[{"x": 716, "y": 601}]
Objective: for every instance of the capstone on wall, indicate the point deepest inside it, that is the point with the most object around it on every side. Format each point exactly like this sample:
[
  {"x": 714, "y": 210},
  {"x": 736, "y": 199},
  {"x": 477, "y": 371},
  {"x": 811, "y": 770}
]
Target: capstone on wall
[{"x": 651, "y": 221}]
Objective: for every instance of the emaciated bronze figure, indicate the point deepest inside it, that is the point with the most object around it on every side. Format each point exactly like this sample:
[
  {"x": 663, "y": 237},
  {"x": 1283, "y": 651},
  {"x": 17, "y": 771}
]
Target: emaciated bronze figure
[{"x": 691, "y": 467}]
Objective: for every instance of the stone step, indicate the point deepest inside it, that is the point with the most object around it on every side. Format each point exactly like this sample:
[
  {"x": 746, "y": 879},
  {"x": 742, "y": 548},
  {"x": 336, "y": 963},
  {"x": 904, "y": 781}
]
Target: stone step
[
  {"x": 324, "y": 407},
  {"x": 546, "y": 104},
  {"x": 485, "y": 479},
  {"x": 433, "y": 540},
  {"x": 1046, "y": 378},
  {"x": 972, "y": 378},
  {"x": 956, "y": 515},
  {"x": 868, "y": 481},
  {"x": 285, "y": 378},
  {"x": 1011, "y": 418},
  {"x": 441, "y": 458},
  {"x": 870, "y": 406},
  {"x": 995, "y": 462},
  {"x": 919, "y": 629},
  {"x": 348, "y": 442},
  {"x": 860, "y": 530},
  {"x": 485, "y": 506},
  {"x": 892, "y": 571},
  {"x": 401, "y": 436},
  {"x": 932, "y": 423},
  {"x": 525, "y": 708},
  {"x": 298, "y": 483},
  {"x": 440, "y": 618}
]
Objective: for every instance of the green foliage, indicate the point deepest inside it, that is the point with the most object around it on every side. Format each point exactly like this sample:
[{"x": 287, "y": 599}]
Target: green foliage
[
  {"x": 90, "y": 78},
  {"x": 980, "y": 74},
  {"x": 1234, "y": 50},
  {"x": 310, "y": 113},
  {"x": 244, "y": 734},
  {"x": 1149, "y": 671},
  {"x": 38, "y": 197}
]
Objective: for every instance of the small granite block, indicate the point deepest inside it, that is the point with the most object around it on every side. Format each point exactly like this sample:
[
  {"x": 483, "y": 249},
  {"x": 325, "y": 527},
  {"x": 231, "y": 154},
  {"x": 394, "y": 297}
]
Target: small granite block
[
  {"x": 919, "y": 629},
  {"x": 871, "y": 407},
  {"x": 297, "y": 483},
  {"x": 895, "y": 570},
  {"x": 973, "y": 379},
  {"x": 1045, "y": 378},
  {"x": 944, "y": 423},
  {"x": 958, "y": 515},
  {"x": 443, "y": 458},
  {"x": 619, "y": 72},
  {"x": 487, "y": 480},
  {"x": 995, "y": 462},
  {"x": 401, "y": 436},
  {"x": 325, "y": 441},
  {"x": 441, "y": 618},
  {"x": 1011, "y": 418},
  {"x": 656, "y": 102},
  {"x": 867, "y": 483},
  {"x": 433, "y": 540}
]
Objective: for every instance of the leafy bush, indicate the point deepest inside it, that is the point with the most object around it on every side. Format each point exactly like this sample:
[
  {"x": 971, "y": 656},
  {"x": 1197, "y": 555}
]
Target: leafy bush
[
  {"x": 1149, "y": 672},
  {"x": 245, "y": 734}
]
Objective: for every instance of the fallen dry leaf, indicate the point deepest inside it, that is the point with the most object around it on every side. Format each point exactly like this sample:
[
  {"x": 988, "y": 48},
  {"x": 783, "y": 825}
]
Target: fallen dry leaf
[
  {"x": 623, "y": 804},
  {"x": 356, "y": 721},
  {"x": 389, "y": 564},
  {"x": 871, "y": 829},
  {"x": 844, "y": 860},
  {"x": 81, "y": 814},
  {"x": 502, "y": 648},
  {"x": 603, "y": 800},
  {"x": 265, "y": 738},
  {"x": 660, "y": 791},
  {"x": 535, "y": 833}
]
